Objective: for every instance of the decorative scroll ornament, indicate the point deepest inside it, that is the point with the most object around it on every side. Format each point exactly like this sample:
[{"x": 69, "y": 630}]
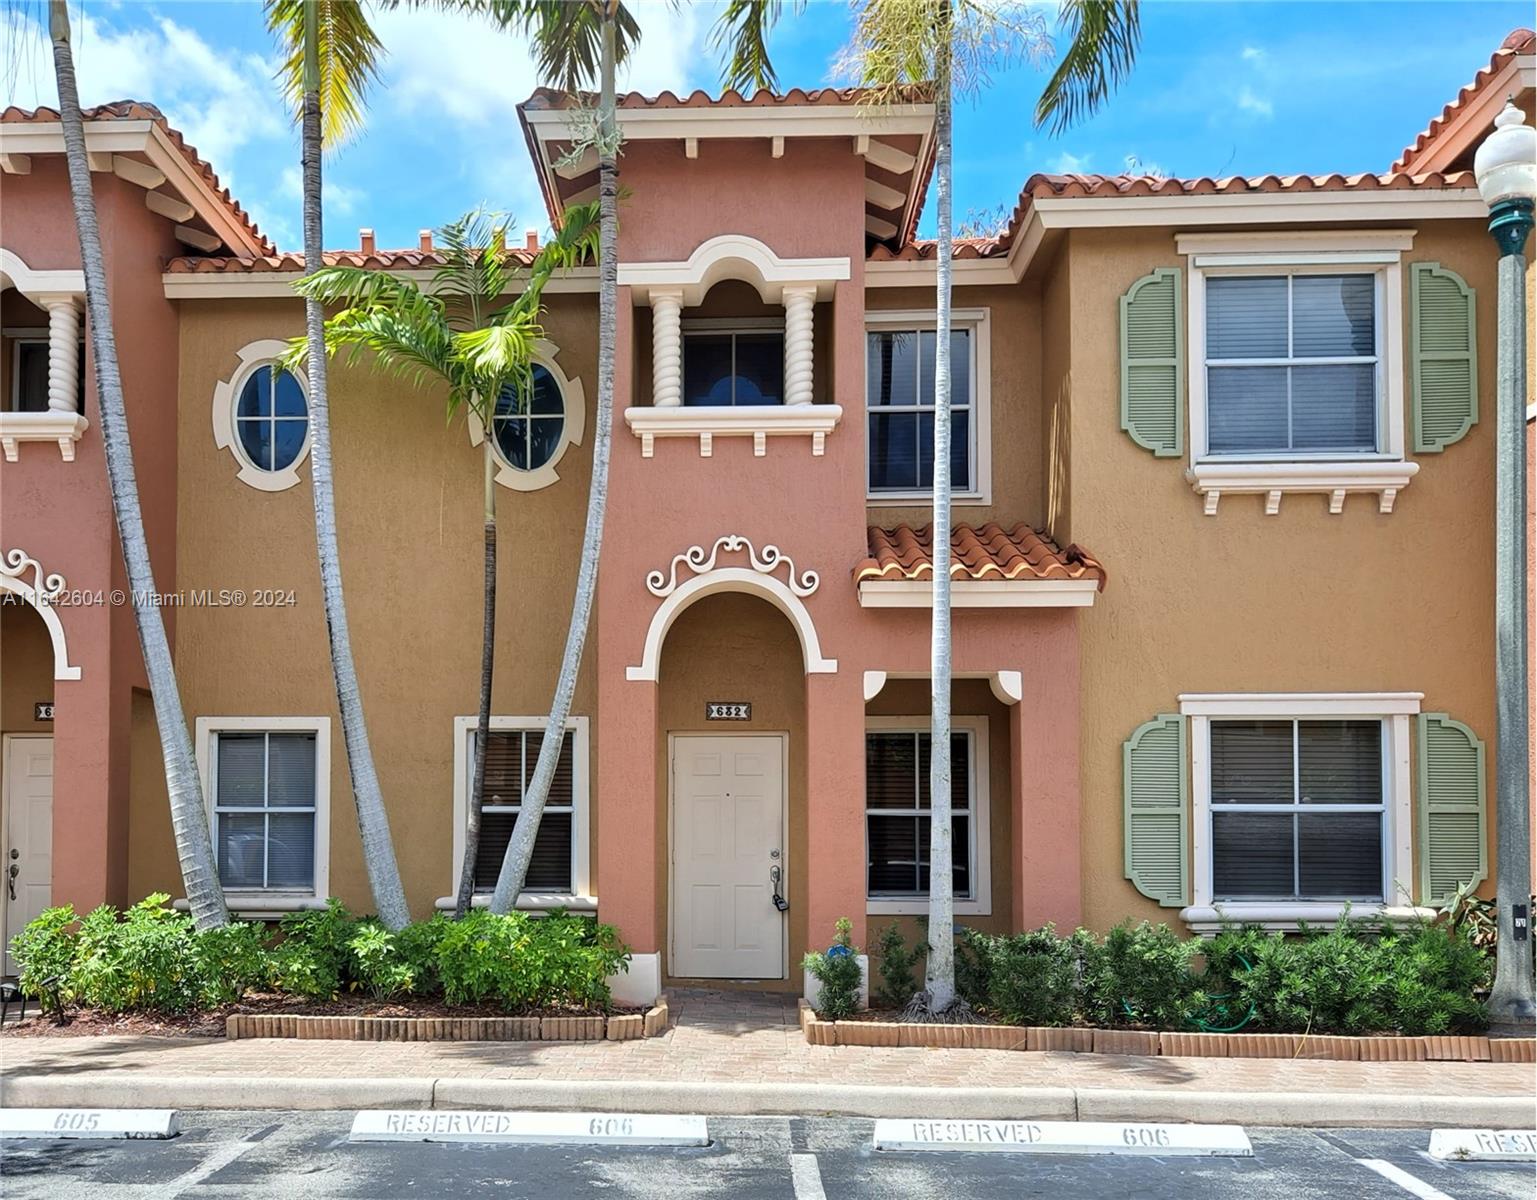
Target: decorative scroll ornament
[
  {"x": 45, "y": 588},
  {"x": 699, "y": 560}
]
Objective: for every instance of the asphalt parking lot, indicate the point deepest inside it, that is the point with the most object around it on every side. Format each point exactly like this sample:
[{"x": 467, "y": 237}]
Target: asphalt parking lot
[{"x": 305, "y": 1155}]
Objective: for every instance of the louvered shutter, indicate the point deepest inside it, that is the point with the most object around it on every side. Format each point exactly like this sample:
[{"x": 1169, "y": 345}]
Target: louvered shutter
[
  {"x": 1445, "y": 356},
  {"x": 1453, "y": 846},
  {"x": 1156, "y": 787},
  {"x": 1153, "y": 362}
]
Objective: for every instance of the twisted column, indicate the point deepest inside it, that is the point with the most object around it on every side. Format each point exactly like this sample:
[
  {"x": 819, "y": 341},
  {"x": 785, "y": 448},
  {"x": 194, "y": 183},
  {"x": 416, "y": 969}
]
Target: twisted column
[
  {"x": 666, "y": 349},
  {"x": 799, "y": 304},
  {"x": 63, "y": 354}
]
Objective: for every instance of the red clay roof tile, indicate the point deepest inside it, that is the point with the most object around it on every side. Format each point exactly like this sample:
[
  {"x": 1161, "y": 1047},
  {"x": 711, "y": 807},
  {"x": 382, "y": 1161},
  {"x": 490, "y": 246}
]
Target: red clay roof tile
[
  {"x": 293, "y": 262},
  {"x": 1519, "y": 42},
  {"x": 977, "y": 552}
]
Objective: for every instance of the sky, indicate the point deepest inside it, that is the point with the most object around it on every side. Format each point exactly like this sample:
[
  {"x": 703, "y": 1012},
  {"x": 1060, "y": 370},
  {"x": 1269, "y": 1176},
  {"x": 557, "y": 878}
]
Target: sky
[{"x": 1218, "y": 89}]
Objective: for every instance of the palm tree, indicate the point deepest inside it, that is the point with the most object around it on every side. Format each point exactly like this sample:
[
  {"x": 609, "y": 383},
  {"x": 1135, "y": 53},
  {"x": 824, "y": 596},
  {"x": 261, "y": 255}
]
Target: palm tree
[
  {"x": 455, "y": 332},
  {"x": 332, "y": 52},
  {"x": 574, "y": 41},
  {"x": 952, "y": 45},
  {"x": 189, "y": 817}
]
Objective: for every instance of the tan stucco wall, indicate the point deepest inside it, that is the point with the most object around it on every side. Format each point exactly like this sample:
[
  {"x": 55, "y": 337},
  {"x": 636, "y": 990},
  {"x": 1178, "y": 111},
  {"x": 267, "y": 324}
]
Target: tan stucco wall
[
  {"x": 408, "y": 488},
  {"x": 1298, "y": 602},
  {"x": 26, "y": 667}
]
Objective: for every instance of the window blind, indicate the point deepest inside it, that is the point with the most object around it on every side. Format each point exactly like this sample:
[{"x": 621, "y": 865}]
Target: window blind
[
  {"x": 511, "y": 756},
  {"x": 264, "y": 810},
  {"x": 899, "y": 373},
  {"x": 897, "y": 805}
]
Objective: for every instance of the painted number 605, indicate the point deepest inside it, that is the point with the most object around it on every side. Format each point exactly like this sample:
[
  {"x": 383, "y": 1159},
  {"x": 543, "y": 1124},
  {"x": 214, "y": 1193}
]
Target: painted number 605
[{"x": 77, "y": 1120}]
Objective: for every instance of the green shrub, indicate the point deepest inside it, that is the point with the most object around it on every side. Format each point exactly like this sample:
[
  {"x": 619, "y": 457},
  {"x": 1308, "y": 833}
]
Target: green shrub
[
  {"x": 522, "y": 962},
  {"x": 232, "y": 960},
  {"x": 45, "y": 951},
  {"x": 1141, "y": 976},
  {"x": 898, "y": 964},
  {"x": 313, "y": 959},
  {"x": 1034, "y": 978},
  {"x": 142, "y": 960},
  {"x": 973, "y": 966},
  {"x": 837, "y": 970}
]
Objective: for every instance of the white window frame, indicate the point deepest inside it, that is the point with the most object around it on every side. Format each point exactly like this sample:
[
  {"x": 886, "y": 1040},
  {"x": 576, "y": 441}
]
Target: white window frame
[
  {"x": 979, "y": 322},
  {"x": 1383, "y": 471},
  {"x": 980, "y": 903},
  {"x": 1394, "y": 710},
  {"x": 276, "y": 900},
  {"x": 573, "y": 399},
  {"x": 580, "y": 898},
  {"x": 226, "y": 436}
]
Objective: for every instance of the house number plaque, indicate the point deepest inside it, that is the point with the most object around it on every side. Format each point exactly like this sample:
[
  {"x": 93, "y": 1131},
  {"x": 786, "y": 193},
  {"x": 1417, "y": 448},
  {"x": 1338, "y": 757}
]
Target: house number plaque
[
  {"x": 727, "y": 710},
  {"x": 42, "y": 710}
]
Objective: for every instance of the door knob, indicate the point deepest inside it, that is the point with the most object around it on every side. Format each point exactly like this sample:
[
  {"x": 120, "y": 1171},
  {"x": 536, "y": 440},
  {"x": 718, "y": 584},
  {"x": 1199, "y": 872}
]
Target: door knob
[{"x": 780, "y": 902}]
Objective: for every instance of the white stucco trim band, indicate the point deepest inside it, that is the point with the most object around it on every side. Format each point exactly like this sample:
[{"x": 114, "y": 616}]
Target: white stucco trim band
[
  {"x": 733, "y": 256},
  {"x": 757, "y": 421},
  {"x": 980, "y": 593}
]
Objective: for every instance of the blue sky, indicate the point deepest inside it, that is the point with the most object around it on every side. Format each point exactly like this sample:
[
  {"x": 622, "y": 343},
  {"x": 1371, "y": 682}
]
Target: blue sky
[{"x": 1220, "y": 88}]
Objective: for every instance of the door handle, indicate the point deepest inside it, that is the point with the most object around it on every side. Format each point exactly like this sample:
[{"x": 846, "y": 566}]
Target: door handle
[
  {"x": 780, "y": 902},
  {"x": 10, "y": 880}
]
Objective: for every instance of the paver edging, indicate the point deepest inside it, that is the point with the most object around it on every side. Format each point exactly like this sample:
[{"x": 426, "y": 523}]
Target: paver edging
[
  {"x": 1150, "y": 1043},
  {"x": 616, "y": 1027}
]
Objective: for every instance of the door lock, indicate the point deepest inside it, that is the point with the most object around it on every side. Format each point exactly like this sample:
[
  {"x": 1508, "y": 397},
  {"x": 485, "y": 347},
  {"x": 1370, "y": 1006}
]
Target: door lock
[{"x": 775, "y": 874}]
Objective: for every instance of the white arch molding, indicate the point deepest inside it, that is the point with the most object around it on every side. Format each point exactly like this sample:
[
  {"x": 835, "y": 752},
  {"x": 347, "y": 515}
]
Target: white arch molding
[
  {"x": 731, "y": 579},
  {"x": 733, "y": 256},
  {"x": 40, "y": 594}
]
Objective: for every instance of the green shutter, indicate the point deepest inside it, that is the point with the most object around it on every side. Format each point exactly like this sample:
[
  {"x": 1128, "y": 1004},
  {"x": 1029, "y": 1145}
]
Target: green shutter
[
  {"x": 1155, "y": 782},
  {"x": 1453, "y": 847},
  {"x": 1153, "y": 363},
  {"x": 1445, "y": 357}
]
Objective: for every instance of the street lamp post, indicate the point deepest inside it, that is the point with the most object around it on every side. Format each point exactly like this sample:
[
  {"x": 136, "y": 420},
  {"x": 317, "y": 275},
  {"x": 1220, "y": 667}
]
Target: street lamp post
[{"x": 1506, "y": 169}]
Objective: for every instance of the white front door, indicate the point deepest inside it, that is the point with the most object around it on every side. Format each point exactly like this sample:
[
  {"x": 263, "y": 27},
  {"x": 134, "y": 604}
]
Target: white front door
[
  {"x": 28, "y": 865},
  {"x": 728, "y": 810}
]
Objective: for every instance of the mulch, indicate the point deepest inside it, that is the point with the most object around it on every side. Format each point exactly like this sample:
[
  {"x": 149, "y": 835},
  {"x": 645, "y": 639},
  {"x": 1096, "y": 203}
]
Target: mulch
[{"x": 86, "y": 1022}]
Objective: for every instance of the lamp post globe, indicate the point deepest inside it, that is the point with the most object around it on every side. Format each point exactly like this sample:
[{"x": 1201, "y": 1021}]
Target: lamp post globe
[{"x": 1505, "y": 167}]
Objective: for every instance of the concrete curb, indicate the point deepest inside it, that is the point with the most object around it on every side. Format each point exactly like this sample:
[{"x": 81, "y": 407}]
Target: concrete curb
[{"x": 111, "y": 1089}]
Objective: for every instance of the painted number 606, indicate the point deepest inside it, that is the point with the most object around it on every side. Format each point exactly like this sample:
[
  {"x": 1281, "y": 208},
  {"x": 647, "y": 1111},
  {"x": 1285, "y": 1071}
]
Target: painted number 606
[
  {"x": 610, "y": 1127},
  {"x": 1137, "y": 1135}
]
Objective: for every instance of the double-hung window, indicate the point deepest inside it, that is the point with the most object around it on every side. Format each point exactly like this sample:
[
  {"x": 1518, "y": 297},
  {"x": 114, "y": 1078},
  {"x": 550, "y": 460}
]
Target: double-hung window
[
  {"x": 1293, "y": 364},
  {"x": 899, "y": 398},
  {"x": 267, "y": 782}
]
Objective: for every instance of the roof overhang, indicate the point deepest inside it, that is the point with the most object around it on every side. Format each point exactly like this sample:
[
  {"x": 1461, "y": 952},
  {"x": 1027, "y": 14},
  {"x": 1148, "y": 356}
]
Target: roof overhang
[
  {"x": 189, "y": 197},
  {"x": 980, "y": 593},
  {"x": 258, "y": 285}
]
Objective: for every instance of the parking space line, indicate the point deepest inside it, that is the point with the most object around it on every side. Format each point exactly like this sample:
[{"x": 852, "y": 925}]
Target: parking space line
[
  {"x": 1410, "y": 1184},
  {"x": 806, "y": 1176},
  {"x": 216, "y": 1161}
]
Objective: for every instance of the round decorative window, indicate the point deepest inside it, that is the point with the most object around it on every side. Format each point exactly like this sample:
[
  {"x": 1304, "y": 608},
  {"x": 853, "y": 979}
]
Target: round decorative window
[
  {"x": 529, "y": 424},
  {"x": 271, "y": 419}
]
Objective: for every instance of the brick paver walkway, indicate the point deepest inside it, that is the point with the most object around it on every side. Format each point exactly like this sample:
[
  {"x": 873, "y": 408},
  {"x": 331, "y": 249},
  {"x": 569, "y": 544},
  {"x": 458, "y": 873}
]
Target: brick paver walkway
[{"x": 740, "y": 1037}]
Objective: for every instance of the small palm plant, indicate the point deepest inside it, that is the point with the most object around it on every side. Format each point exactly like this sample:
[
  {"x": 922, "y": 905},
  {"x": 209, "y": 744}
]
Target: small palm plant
[{"x": 459, "y": 330}]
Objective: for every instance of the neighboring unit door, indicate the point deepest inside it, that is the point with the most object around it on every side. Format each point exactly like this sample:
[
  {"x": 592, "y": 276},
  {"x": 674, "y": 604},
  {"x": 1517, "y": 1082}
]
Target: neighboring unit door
[
  {"x": 28, "y": 868},
  {"x": 728, "y": 809}
]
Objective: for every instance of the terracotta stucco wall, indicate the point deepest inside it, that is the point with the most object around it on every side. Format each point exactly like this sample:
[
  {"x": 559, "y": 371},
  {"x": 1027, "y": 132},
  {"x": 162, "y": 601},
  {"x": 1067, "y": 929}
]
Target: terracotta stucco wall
[
  {"x": 1303, "y": 601},
  {"x": 409, "y": 525}
]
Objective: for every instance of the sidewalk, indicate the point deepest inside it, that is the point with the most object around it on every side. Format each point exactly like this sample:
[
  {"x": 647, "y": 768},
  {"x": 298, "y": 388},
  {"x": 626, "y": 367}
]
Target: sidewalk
[{"x": 732, "y": 1053}]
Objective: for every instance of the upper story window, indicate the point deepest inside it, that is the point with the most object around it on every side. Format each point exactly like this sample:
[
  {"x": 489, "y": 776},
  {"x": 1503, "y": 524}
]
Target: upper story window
[
  {"x": 899, "y": 399},
  {"x": 529, "y": 429},
  {"x": 261, "y": 416},
  {"x": 733, "y": 366},
  {"x": 1293, "y": 364},
  {"x": 29, "y": 372}
]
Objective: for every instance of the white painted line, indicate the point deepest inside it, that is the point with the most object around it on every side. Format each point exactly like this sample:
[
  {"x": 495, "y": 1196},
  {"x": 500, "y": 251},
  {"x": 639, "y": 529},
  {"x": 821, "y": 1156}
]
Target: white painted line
[
  {"x": 1416, "y": 1187},
  {"x": 1484, "y": 1145},
  {"x": 220, "y": 1158},
  {"x": 538, "y": 1128},
  {"x": 1064, "y": 1137},
  {"x": 88, "y": 1123},
  {"x": 806, "y": 1177}
]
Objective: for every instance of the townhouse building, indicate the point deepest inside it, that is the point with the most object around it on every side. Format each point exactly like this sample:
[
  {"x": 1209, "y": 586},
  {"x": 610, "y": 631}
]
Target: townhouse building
[{"x": 1223, "y": 543}]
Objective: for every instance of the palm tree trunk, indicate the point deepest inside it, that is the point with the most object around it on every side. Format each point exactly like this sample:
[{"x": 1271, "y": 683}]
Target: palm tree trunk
[
  {"x": 189, "y": 818},
  {"x": 487, "y": 661},
  {"x": 939, "y": 975},
  {"x": 520, "y": 849},
  {"x": 373, "y": 821}
]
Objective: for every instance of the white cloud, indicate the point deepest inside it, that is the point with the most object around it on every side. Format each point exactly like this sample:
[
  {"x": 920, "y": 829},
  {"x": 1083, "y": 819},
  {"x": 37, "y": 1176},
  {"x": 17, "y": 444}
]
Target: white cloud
[
  {"x": 1249, "y": 102},
  {"x": 1069, "y": 164},
  {"x": 1252, "y": 54}
]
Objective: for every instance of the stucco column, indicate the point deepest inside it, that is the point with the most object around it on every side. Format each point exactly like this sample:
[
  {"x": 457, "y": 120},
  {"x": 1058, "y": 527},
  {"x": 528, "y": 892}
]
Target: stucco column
[
  {"x": 666, "y": 349},
  {"x": 63, "y": 353},
  {"x": 1046, "y": 857},
  {"x": 799, "y": 304},
  {"x": 835, "y": 805}
]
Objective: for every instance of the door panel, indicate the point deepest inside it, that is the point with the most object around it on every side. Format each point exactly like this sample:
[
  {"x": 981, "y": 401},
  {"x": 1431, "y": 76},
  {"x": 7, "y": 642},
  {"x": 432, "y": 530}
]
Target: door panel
[
  {"x": 29, "y": 834},
  {"x": 728, "y": 807}
]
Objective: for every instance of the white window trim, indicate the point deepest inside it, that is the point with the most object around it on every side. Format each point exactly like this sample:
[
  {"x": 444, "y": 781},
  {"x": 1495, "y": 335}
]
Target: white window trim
[
  {"x": 980, "y": 322},
  {"x": 581, "y": 898},
  {"x": 1394, "y": 709},
  {"x": 226, "y": 394},
  {"x": 573, "y": 399},
  {"x": 276, "y": 900},
  {"x": 1384, "y": 472},
  {"x": 22, "y": 337},
  {"x": 981, "y": 903}
]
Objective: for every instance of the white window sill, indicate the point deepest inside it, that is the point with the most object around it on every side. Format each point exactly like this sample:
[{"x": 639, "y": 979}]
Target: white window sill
[
  {"x": 1211, "y": 478},
  {"x": 920, "y": 499},
  {"x": 1208, "y": 919},
  {"x": 527, "y": 902},
  {"x": 757, "y": 421},
  {"x": 264, "y": 905},
  {"x": 62, "y": 428},
  {"x": 920, "y": 908}
]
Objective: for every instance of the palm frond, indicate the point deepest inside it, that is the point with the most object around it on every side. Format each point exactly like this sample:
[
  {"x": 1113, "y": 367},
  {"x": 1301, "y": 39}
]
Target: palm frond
[
  {"x": 742, "y": 31},
  {"x": 567, "y": 36},
  {"x": 402, "y": 347},
  {"x": 348, "y": 51},
  {"x": 476, "y": 265},
  {"x": 357, "y": 287},
  {"x": 1105, "y": 37}
]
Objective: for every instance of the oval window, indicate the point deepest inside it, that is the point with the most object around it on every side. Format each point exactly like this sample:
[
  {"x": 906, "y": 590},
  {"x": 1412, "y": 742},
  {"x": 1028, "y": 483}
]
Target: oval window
[
  {"x": 271, "y": 419},
  {"x": 528, "y": 425}
]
